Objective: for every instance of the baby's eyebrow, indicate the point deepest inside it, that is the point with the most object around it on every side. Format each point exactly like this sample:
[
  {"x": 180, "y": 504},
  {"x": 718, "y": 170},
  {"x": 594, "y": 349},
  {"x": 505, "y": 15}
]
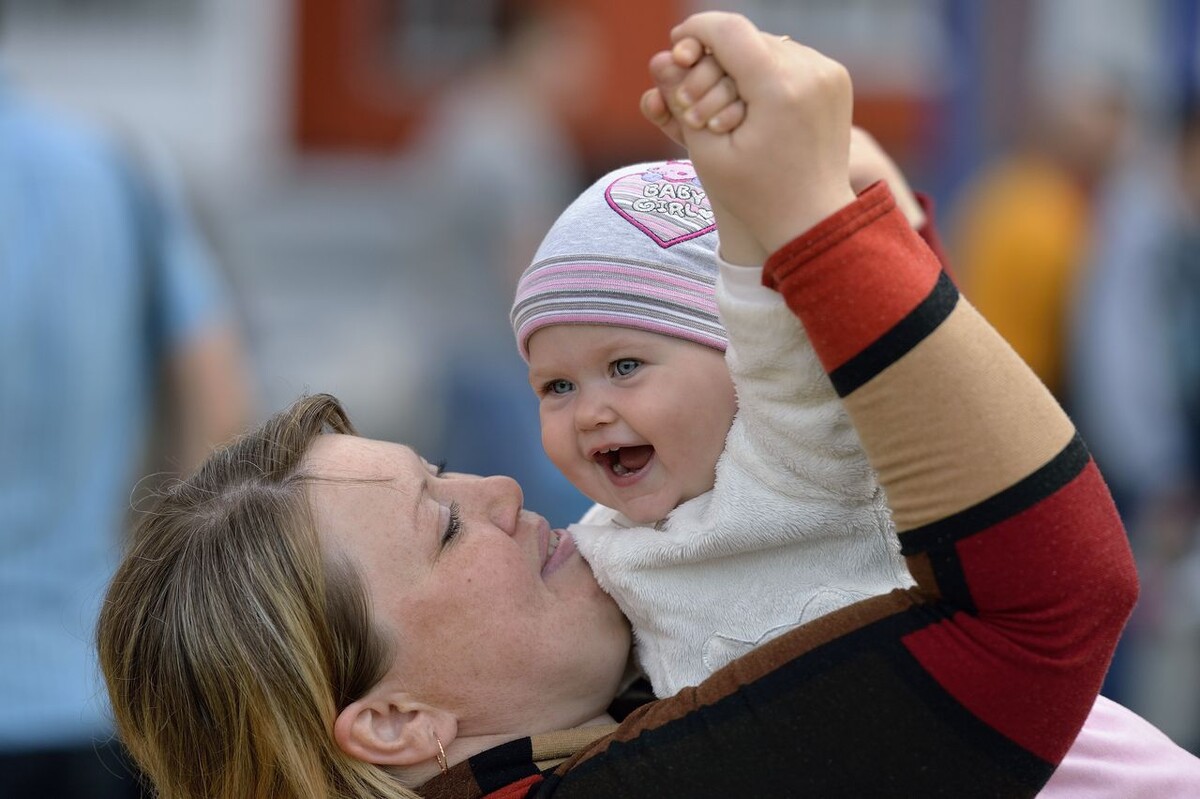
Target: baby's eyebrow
[{"x": 539, "y": 376}]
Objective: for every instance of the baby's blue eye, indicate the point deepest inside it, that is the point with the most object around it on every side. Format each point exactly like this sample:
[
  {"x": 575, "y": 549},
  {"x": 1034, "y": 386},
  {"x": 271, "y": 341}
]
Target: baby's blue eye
[
  {"x": 624, "y": 367},
  {"x": 559, "y": 387}
]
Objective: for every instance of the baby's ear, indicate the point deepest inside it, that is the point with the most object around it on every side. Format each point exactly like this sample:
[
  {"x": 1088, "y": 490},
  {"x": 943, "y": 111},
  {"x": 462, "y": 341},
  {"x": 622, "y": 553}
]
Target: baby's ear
[{"x": 393, "y": 730}]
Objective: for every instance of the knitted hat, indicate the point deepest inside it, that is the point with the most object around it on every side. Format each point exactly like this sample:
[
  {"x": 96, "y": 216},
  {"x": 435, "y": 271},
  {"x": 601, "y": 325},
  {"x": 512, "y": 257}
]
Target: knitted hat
[{"x": 637, "y": 249}]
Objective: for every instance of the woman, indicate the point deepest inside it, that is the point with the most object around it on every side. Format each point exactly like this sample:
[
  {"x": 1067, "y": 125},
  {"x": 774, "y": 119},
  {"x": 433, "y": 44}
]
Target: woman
[{"x": 322, "y": 615}]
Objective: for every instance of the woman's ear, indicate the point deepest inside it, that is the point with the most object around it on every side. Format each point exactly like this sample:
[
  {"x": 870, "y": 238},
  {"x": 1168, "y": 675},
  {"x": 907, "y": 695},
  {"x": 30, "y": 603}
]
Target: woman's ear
[{"x": 393, "y": 730}]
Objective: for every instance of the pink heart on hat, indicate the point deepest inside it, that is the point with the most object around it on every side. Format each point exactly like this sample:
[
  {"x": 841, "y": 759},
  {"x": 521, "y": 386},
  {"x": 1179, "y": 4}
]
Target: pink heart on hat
[{"x": 666, "y": 202}]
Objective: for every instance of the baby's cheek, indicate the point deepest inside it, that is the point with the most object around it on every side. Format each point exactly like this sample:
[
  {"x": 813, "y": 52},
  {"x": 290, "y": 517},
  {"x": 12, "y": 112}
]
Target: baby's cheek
[
  {"x": 564, "y": 462},
  {"x": 704, "y": 461},
  {"x": 553, "y": 440},
  {"x": 706, "y": 477}
]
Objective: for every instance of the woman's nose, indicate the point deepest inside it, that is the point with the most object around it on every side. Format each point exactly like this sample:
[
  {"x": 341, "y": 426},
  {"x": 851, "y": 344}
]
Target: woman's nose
[{"x": 502, "y": 500}]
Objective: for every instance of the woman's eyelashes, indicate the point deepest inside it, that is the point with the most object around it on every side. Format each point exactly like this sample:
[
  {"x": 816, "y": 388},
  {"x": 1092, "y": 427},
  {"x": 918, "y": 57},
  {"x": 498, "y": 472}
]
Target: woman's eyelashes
[
  {"x": 454, "y": 517},
  {"x": 453, "y": 524}
]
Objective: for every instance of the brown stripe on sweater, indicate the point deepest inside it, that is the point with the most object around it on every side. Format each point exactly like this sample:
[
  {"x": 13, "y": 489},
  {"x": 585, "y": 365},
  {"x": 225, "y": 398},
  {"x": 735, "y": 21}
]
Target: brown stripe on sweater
[
  {"x": 922, "y": 571},
  {"x": 956, "y": 420},
  {"x": 752, "y": 666}
]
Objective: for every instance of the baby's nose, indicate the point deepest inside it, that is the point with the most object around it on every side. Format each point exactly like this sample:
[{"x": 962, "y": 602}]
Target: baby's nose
[{"x": 592, "y": 411}]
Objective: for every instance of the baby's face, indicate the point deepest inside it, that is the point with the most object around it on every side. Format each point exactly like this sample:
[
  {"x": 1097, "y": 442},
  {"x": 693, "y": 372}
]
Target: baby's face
[{"x": 635, "y": 420}]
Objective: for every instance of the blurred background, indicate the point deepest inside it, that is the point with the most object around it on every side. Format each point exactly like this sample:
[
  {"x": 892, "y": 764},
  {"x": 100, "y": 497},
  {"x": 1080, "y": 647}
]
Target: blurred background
[{"x": 357, "y": 184}]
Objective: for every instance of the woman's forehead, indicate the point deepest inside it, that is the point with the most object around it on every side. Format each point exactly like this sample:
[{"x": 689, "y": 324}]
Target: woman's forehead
[
  {"x": 342, "y": 456},
  {"x": 363, "y": 493}
]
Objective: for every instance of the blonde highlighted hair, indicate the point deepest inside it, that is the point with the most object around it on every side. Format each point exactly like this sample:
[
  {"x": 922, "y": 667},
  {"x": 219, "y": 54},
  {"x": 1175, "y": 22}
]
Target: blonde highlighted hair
[{"x": 229, "y": 642}]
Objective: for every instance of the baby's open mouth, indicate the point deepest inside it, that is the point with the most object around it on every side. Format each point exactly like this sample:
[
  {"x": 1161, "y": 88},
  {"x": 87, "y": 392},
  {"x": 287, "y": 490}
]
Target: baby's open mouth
[{"x": 625, "y": 460}]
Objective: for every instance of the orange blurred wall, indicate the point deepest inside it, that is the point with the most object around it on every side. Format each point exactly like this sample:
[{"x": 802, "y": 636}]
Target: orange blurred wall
[{"x": 347, "y": 95}]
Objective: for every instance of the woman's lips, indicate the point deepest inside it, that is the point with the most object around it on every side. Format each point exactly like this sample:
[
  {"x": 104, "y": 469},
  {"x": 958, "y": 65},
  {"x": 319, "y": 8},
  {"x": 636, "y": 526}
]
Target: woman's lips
[{"x": 566, "y": 548}]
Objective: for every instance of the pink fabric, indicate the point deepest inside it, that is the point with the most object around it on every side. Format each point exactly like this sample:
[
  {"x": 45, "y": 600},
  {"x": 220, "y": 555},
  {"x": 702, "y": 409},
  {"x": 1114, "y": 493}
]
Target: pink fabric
[{"x": 1120, "y": 755}]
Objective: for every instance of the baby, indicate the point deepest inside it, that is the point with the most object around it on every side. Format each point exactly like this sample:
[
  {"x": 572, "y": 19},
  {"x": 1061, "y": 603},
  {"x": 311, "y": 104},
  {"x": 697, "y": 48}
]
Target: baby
[{"x": 684, "y": 426}]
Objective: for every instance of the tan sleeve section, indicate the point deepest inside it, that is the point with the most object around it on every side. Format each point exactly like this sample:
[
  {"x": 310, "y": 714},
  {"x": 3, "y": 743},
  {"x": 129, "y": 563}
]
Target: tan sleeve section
[
  {"x": 955, "y": 420},
  {"x": 552, "y": 748}
]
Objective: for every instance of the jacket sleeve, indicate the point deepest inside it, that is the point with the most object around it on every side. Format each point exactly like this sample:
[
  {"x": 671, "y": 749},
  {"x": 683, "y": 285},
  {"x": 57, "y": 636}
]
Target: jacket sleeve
[{"x": 976, "y": 681}]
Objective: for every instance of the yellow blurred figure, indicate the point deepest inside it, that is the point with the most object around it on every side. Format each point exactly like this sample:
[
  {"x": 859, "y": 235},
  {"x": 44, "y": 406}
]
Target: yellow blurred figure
[
  {"x": 1024, "y": 227},
  {"x": 1022, "y": 236}
]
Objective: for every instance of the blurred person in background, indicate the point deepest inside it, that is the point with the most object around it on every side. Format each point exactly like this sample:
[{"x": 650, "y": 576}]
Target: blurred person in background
[
  {"x": 497, "y": 150},
  {"x": 1023, "y": 228},
  {"x": 1137, "y": 382},
  {"x": 500, "y": 162},
  {"x": 111, "y": 313}
]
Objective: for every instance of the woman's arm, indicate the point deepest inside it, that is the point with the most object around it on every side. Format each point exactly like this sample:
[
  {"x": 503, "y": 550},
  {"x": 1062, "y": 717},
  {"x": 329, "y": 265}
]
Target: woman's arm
[
  {"x": 1000, "y": 509},
  {"x": 976, "y": 682},
  {"x": 1005, "y": 520}
]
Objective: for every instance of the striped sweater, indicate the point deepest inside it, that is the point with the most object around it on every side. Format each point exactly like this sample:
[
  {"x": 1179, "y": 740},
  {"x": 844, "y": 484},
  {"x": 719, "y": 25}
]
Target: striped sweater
[{"x": 973, "y": 683}]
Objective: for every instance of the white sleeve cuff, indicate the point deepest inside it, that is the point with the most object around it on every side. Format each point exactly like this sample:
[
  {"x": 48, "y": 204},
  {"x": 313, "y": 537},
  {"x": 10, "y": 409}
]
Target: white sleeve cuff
[{"x": 744, "y": 283}]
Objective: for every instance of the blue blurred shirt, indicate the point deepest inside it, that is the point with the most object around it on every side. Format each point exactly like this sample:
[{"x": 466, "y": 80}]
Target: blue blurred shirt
[{"x": 78, "y": 349}]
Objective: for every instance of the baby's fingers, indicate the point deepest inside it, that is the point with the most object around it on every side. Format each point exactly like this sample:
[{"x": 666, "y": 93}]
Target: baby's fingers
[
  {"x": 687, "y": 51},
  {"x": 654, "y": 108},
  {"x": 728, "y": 117},
  {"x": 702, "y": 96},
  {"x": 712, "y": 103},
  {"x": 704, "y": 77}
]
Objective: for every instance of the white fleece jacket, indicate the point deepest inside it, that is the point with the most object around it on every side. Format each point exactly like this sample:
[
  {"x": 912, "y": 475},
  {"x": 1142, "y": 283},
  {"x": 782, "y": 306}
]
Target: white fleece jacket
[{"x": 793, "y": 496}]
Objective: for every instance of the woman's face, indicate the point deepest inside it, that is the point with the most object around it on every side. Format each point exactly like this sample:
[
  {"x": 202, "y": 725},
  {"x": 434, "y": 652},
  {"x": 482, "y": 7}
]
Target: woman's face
[{"x": 482, "y": 621}]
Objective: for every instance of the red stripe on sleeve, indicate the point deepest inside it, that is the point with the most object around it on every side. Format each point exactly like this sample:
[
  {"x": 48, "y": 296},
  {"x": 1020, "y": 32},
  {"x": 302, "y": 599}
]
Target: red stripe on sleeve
[
  {"x": 855, "y": 275},
  {"x": 1030, "y": 663},
  {"x": 929, "y": 233},
  {"x": 516, "y": 790}
]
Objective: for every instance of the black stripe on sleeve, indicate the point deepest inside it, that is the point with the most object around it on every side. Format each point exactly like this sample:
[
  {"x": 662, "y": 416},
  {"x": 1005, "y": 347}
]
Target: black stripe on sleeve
[
  {"x": 904, "y": 335},
  {"x": 1049, "y": 478},
  {"x": 503, "y": 765},
  {"x": 951, "y": 579}
]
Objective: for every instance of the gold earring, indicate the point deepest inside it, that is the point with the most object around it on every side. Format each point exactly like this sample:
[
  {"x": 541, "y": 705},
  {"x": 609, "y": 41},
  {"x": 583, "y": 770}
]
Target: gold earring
[{"x": 442, "y": 762}]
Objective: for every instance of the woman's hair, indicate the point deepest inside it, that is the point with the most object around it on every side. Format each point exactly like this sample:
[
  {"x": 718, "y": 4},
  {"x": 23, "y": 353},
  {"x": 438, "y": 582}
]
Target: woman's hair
[{"x": 229, "y": 642}]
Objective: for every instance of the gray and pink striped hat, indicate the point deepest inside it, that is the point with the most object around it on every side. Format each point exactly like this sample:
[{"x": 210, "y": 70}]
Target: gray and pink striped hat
[{"x": 636, "y": 249}]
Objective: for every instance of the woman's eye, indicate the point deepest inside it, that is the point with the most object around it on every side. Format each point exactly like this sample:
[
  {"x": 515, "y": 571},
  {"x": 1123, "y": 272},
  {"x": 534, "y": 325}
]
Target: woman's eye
[
  {"x": 624, "y": 367},
  {"x": 454, "y": 525},
  {"x": 559, "y": 387}
]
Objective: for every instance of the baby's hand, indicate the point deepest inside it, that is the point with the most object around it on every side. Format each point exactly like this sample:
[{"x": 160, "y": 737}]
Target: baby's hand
[
  {"x": 693, "y": 90},
  {"x": 784, "y": 168},
  {"x": 693, "y": 96},
  {"x": 870, "y": 163},
  {"x": 706, "y": 97}
]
